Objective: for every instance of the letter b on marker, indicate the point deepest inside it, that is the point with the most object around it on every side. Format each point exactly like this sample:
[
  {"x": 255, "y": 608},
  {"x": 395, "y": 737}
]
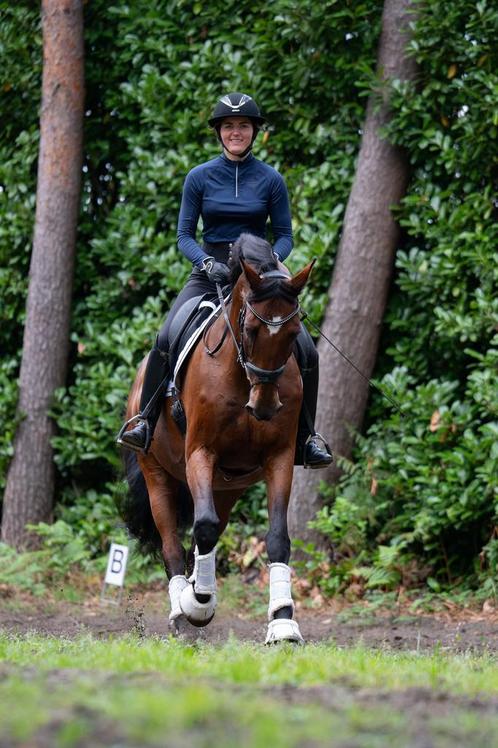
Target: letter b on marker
[
  {"x": 116, "y": 564},
  {"x": 117, "y": 561}
]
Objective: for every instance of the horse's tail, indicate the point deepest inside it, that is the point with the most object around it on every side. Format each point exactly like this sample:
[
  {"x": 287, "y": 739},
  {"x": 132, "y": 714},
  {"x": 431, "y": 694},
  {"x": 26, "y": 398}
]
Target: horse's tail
[{"x": 136, "y": 512}]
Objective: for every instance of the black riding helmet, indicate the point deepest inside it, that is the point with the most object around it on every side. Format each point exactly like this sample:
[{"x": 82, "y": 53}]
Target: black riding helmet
[
  {"x": 236, "y": 105},
  {"x": 239, "y": 105}
]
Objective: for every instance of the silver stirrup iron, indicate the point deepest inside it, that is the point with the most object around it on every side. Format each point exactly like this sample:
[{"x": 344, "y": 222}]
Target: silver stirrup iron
[
  {"x": 134, "y": 419},
  {"x": 319, "y": 438}
]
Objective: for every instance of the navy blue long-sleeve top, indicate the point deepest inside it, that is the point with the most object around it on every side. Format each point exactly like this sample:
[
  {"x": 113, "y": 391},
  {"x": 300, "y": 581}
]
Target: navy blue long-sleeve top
[{"x": 233, "y": 197}]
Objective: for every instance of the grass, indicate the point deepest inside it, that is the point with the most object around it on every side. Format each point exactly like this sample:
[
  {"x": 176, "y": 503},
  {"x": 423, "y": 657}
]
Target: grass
[
  {"x": 132, "y": 691},
  {"x": 251, "y": 664},
  {"x": 164, "y": 713}
]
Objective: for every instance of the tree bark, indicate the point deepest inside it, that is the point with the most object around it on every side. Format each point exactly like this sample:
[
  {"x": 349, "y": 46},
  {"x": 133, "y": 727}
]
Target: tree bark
[
  {"x": 30, "y": 480},
  {"x": 361, "y": 278}
]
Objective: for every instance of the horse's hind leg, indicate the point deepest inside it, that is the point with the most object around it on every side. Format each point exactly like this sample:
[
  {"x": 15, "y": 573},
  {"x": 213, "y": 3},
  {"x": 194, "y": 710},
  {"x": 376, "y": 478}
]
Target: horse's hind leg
[
  {"x": 164, "y": 496},
  {"x": 281, "y": 626}
]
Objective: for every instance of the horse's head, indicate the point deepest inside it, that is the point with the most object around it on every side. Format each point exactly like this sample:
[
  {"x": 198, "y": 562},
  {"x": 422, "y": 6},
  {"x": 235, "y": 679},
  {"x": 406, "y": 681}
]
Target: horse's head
[{"x": 268, "y": 320}]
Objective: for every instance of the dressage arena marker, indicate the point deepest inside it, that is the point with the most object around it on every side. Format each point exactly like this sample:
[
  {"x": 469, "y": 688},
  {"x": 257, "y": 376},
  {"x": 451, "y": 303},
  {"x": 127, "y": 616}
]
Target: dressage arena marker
[{"x": 115, "y": 574}]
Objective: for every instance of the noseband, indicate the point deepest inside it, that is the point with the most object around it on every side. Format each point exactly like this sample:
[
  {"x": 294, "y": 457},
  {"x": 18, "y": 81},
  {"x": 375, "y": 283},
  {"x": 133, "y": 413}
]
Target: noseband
[{"x": 264, "y": 376}]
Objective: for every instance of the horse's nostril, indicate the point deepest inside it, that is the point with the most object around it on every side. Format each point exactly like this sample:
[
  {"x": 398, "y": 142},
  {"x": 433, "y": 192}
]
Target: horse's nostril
[
  {"x": 261, "y": 414},
  {"x": 251, "y": 410}
]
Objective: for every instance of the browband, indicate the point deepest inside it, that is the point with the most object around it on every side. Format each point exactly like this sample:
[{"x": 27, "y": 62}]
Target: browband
[{"x": 275, "y": 274}]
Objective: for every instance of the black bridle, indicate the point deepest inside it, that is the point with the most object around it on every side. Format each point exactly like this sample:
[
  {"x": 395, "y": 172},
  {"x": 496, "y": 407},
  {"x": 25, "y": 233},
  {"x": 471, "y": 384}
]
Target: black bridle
[{"x": 264, "y": 376}]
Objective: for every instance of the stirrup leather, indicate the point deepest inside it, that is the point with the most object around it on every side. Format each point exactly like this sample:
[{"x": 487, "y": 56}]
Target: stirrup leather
[{"x": 123, "y": 429}]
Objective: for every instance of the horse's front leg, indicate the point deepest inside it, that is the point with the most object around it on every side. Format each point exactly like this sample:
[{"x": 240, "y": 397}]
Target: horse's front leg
[
  {"x": 198, "y": 600},
  {"x": 281, "y": 626},
  {"x": 163, "y": 496}
]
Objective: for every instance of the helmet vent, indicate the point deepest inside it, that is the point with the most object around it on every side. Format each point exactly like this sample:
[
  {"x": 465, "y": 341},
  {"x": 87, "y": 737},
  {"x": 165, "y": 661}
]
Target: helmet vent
[
  {"x": 237, "y": 103},
  {"x": 235, "y": 107}
]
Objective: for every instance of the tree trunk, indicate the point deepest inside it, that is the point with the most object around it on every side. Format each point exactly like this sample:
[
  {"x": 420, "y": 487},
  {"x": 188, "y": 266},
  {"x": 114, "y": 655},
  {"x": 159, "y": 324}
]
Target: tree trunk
[
  {"x": 30, "y": 480},
  {"x": 361, "y": 278}
]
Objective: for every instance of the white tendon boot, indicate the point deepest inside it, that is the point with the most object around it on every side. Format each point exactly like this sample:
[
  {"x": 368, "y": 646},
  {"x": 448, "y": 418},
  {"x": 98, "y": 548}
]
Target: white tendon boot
[
  {"x": 281, "y": 629},
  {"x": 176, "y": 585},
  {"x": 202, "y": 582}
]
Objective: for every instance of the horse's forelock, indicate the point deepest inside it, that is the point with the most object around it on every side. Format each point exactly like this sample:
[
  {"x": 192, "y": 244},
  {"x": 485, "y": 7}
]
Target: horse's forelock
[
  {"x": 254, "y": 250},
  {"x": 259, "y": 254}
]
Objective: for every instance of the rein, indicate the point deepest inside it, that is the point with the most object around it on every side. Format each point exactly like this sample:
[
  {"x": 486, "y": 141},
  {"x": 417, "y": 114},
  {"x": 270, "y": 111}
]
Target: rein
[
  {"x": 228, "y": 326},
  {"x": 264, "y": 376},
  {"x": 393, "y": 402}
]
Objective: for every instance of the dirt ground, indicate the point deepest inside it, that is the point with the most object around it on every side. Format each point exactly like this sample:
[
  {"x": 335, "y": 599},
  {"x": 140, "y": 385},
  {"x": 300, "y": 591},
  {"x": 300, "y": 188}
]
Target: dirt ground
[{"x": 146, "y": 613}]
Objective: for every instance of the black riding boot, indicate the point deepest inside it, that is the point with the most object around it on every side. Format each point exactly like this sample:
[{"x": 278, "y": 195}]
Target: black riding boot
[
  {"x": 139, "y": 438},
  {"x": 308, "y": 450}
]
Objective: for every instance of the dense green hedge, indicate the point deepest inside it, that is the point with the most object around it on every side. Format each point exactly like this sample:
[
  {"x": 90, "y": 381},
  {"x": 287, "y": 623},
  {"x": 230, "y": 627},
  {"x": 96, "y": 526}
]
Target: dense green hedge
[
  {"x": 422, "y": 494},
  {"x": 154, "y": 69}
]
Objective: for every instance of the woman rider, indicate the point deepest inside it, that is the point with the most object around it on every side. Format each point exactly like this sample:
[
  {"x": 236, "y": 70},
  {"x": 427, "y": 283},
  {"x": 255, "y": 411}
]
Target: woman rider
[{"x": 234, "y": 193}]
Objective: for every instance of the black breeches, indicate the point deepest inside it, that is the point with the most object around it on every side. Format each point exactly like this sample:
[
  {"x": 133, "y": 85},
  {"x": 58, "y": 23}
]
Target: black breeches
[
  {"x": 307, "y": 358},
  {"x": 306, "y": 354}
]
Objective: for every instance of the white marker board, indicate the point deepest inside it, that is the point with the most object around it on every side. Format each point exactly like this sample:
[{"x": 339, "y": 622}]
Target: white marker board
[{"x": 116, "y": 565}]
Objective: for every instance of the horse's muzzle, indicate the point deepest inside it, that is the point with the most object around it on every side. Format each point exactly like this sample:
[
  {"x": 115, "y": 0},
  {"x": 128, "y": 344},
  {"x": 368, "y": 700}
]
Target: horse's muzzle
[{"x": 264, "y": 402}]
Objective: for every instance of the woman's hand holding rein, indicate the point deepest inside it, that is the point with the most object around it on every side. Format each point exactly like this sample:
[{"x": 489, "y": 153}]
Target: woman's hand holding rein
[{"x": 217, "y": 272}]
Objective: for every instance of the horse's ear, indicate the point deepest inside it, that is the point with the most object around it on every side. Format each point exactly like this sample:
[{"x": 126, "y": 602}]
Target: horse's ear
[
  {"x": 251, "y": 275},
  {"x": 299, "y": 280}
]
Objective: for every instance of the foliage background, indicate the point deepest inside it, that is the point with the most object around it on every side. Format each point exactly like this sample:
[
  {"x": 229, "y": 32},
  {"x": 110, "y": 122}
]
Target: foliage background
[{"x": 419, "y": 500}]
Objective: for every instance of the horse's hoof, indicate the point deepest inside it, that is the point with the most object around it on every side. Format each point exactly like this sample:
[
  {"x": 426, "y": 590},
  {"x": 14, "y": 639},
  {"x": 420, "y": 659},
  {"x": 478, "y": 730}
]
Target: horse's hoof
[
  {"x": 283, "y": 630},
  {"x": 196, "y": 613},
  {"x": 179, "y": 626},
  {"x": 175, "y": 624}
]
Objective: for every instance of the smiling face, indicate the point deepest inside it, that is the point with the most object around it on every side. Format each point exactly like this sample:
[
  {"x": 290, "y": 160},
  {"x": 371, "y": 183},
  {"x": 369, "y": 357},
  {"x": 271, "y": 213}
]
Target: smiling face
[{"x": 236, "y": 135}]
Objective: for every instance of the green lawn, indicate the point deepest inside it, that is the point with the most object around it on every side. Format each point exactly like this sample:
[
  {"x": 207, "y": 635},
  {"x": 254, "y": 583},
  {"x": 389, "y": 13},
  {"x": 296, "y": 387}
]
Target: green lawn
[{"x": 147, "y": 692}]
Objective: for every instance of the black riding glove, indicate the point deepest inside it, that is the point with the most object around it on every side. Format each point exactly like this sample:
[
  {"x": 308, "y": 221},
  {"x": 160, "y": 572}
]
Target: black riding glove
[{"x": 217, "y": 272}]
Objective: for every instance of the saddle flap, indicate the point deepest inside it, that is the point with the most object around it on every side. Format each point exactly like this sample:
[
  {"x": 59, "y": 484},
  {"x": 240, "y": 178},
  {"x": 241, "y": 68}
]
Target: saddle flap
[
  {"x": 182, "y": 319},
  {"x": 186, "y": 329}
]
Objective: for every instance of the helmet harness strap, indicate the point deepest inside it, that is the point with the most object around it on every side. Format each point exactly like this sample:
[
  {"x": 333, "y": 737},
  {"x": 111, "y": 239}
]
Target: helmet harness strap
[{"x": 249, "y": 147}]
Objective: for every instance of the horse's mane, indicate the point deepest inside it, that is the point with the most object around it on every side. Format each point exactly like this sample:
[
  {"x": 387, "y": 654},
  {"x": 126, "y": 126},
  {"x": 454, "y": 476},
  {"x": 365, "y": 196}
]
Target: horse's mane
[{"x": 258, "y": 253}]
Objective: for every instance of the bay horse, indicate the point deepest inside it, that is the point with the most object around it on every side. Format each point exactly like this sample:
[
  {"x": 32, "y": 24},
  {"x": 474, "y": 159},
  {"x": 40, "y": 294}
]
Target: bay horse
[{"x": 241, "y": 400}]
